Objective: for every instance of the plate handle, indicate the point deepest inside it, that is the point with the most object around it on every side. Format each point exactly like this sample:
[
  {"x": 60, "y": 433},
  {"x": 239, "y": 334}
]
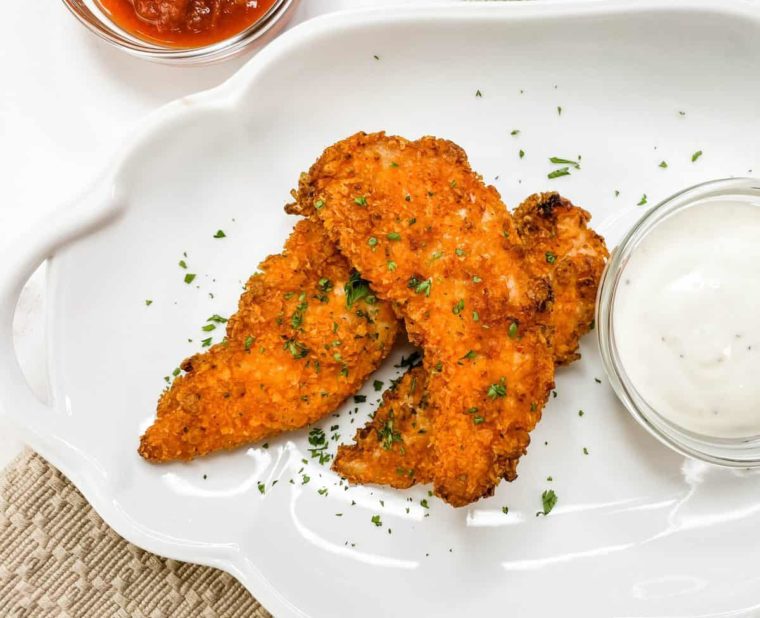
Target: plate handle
[{"x": 18, "y": 261}]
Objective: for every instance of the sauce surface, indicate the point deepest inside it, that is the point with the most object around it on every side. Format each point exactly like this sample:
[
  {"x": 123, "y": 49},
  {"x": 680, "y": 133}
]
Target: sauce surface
[
  {"x": 185, "y": 23},
  {"x": 687, "y": 319}
]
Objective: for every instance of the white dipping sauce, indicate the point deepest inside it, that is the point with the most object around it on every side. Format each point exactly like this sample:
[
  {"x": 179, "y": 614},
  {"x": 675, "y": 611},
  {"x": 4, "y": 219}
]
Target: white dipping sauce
[{"x": 687, "y": 319}]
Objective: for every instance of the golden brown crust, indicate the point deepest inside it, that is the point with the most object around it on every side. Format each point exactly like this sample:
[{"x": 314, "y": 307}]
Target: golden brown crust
[
  {"x": 433, "y": 239},
  {"x": 547, "y": 223},
  {"x": 294, "y": 352},
  {"x": 560, "y": 244}
]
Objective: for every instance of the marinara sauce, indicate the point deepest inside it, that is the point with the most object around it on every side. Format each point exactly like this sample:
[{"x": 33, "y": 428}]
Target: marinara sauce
[{"x": 185, "y": 23}]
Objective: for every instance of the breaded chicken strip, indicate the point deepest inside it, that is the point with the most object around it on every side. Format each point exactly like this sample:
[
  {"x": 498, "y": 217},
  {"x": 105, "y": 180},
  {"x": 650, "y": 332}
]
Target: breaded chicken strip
[
  {"x": 560, "y": 244},
  {"x": 307, "y": 333},
  {"x": 432, "y": 238},
  {"x": 394, "y": 447}
]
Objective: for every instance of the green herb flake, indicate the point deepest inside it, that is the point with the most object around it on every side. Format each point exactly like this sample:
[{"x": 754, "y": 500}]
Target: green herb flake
[
  {"x": 356, "y": 289},
  {"x": 505, "y": 510},
  {"x": 475, "y": 316},
  {"x": 372, "y": 241},
  {"x": 471, "y": 355},
  {"x": 498, "y": 389},
  {"x": 394, "y": 164},
  {"x": 325, "y": 284},
  {"x": 424, "y": 503},
  {"x": 521, "y": 153},
  {"x": 424, "y": 287},
  {"x": 559, "y": 110},
  {"x": 580, "y": 412},
  {"x": 217, "y": 319},
  {"x": 262, "y": 488},
  {"x": 643, "y": 200},
  {"x": 148, "y": 302},
  {"x": 617, "y": 193},
  {"x": 477, "y": 420},
  {"x": 220, "y": 234},
  {"x": 393, "y": 236},
  {"x": 563, "y": 171},
  {"x": 360, "y": 201},
  {"x": 377, "y": 385},
  {"x": 548, "y": 501},
  {"x": 585, "y": 451},
  {"x": 208, "y": 328},
  {"x": 360, "y": 398},
  {"x": 376, "y": 520},
  {"x": 550, "y": 257},
  {"x": 696, "y": 156},
  {"x": 515, "y": 132},
  {"x": 478, "y": 93},
  {"x": 183, "y": 264},
  {"x": 248, "y": 343},
  {"x": 663, "y": 164},
  {"x": 296, "y": 348},
  {"x": 561, "y": 161},
  {"x": 189, "y": 278},
  {"x": 319, "y": 204},
  {"x": 513, "y": 329},
  {"x": 457, "y": 309},
  {"x": 205, "y": 343},
  {"x": 387, "y": 435},
  {"x": 391, "y": 266},
  {"x": 476, "y": 279},
  {"x": 459, "y": 252}
]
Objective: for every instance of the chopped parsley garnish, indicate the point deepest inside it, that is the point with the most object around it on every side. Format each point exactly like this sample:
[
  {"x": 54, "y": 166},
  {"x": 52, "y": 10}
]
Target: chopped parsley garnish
[
  {"x": 436, "y": 255},
  {"x": 412, "y": 360},
  {"x": 470, "y": 355},
  {"x": 189, "y": 278},
  {"x": 183, "y": 264},
  {"x": 680, "y": 113},
  {"x": 296, "y": 348},
  {"x": 476, "y": 279},
  {"x": 305, "y": 478},
  {"x": 475, "y": 316},
  {"x": 262, "y": 488},
  {"x": 515, "y": 132},
  {"x": 296, "y": 320},
  {"x": 217, "y": 319},
  {"x": 148, "y": 302},
  {"x": 360, "y": 398},
  {"x": 393, "y": 236},
  {"x": 580, "y": 412},
  {"x": 376, "y": 520},
  {"x": 561, "y": 161},
  {"x": 643, "y": 200},
  {"x": 176, "y": 372},
  {"x": 325, "y": 284},
  {"x": 372, "y": 241},
  {"x": 206, "y": 342},
  {"x": 424, "y": 503},
  {"x": 617, "y": 193},
  {"x": 220, "y": 234},
  {"x": 563, "y": 171},
  {"x": 319, "y": 204},
  {"x": 585, "y": 451},
  {"x": 505, "y": 509},
  {"x": 208, "y": 328},
  {"x": 391, "y": 265},
  {"x": 513, "y": 330},
  {"x": 318, "y": 443},
  {"x": 386, "y": 435},
  {"x": 696, "y": 156},
  {"x": 377, "y": 385},
  {"x": 453, "y": 184},
  {"x": 459, "y": 252},
  {"x": 559, "y": 110},
  {"x": 550, "y": 257},
  {"x": 548, "y": 500},
  {"x": 499, "y": 389},
  {"x": 361, "y": 200},
  {"x": 423, "y": 287},
  {"x": 663, "y": 164},
  {"x": 356, "y": 289},
  {"x": 478, "y": 93},
  {"x": 477, "y": 420},
  {"x": 521, "y": 153},
  {"x": 248, "y": 343},
  {"x": 457, "y": 309},
  {"x": 394, "y": 164}
]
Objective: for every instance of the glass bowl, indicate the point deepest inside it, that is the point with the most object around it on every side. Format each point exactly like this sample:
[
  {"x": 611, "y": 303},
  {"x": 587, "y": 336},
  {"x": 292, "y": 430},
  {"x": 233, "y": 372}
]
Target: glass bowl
[
  {"x": 732, "y": 452},
  {"x": 267, "y": 27}
]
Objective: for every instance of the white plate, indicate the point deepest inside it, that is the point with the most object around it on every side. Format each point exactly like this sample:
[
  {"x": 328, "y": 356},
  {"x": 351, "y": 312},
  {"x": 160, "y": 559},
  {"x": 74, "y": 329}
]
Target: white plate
[{"x": 637, "y": 529}]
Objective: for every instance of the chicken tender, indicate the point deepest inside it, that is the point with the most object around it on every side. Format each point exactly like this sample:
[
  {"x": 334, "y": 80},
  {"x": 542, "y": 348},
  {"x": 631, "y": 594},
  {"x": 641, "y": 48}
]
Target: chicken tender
[
  {"x": 394, "y": 447},
  {"x": 433, "y": 239},
  {"x": 307, "y": 333},
  {"x": 560, "y": 244}
]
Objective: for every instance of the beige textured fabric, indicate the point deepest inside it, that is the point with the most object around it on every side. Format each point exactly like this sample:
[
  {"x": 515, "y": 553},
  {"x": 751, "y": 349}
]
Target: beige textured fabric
[{"x": 58, "y": 558}]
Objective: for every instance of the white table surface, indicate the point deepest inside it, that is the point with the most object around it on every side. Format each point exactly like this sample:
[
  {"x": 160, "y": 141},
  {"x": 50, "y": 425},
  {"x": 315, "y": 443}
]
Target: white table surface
[{"x": 66, "y": 101}]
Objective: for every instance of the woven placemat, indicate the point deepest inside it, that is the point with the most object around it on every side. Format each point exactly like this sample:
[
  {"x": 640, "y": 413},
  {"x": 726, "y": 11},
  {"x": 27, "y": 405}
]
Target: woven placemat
[{"x": 59, "y": 558}]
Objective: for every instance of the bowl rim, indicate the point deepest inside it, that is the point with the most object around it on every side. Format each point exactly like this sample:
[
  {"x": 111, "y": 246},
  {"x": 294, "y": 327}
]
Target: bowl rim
[
  {"x": 728, "y": 452},
  {"x": 115, "y": 36}
]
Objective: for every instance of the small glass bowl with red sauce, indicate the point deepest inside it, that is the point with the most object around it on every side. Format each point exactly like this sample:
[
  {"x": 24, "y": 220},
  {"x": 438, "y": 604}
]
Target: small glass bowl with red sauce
[{"x": 184, "y": 31}]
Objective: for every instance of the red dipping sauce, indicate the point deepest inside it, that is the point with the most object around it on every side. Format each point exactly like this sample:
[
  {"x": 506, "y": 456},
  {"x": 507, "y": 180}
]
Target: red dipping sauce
[{"x": 185, "y": 23}]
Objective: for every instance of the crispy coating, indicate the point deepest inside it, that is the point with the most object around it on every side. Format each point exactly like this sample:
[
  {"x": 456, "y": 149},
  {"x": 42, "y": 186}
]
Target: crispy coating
[
  {"x": 294, "y": 351},
  {"x": 560, "y": 244},
  {"x": 549, "y": 225},
  {"x": 433, "y": 239}
]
